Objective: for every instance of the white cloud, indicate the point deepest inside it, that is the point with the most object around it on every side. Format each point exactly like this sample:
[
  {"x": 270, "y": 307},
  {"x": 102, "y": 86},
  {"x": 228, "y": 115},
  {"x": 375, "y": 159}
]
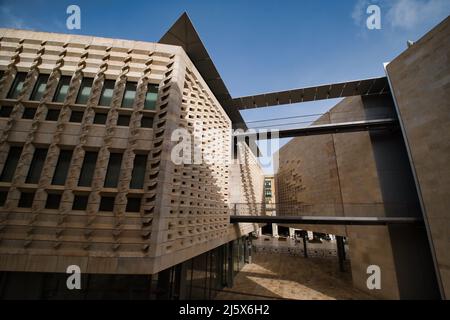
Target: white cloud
[
  {"x": 408, "y": 14},
  {"x": 403, "y": 14},
  {"x": 359, "y": 11},
  {"x": 10, "y": 20}
]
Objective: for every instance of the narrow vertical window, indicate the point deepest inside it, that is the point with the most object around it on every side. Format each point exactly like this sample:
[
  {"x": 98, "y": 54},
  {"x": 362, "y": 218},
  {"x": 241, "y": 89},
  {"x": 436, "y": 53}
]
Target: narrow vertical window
[
  {"x": 34, "y": 173},
  {"x": 3, "y": 196},
  {"x": 85, "y": 91},
  {"x": 11, "y": 163},
  {"x": 62, "y": 89},
  {"x": 107, "y": 93},
  {"x": 113, "y": 172},
  {"x": 138, "y": 174},
  {"x": 87, "y": 169},
  {"x": 151, "y": 97},
  {"x": 17, "y": 85},
  {"x": 129, "y": 95},
  {"x": 62, "y": 167},
  {"x": 39, "y": 87}
]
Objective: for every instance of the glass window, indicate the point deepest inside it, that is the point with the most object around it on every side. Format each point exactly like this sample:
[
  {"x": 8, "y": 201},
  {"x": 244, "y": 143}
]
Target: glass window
[
  {"x": 100, "y": 118},
  {"x": 133, "y": 204},
  {"x": 113, "y": 171},
  {"x": 52, "y": 115},
  {"x": 29, "y": 113},
  {"x": 107, "y": 93},
  {"x": 5, "y": 111},
  {"x": 85, "y": 91},
  {"x": 62, "y": 89},
  {"x": 53, "y": 201},
  {"x": 26, "y": 199},
  {"x": 151, "y": 97},
  {"x": 138, "y": 174},
  {"x": 34, "y": 173},
  {"x": 39, "y": 87},
  {"x": 146, "y": 122},
  {"x": 17, "y": 85},
  {"x": 107, "y": 204},
  {"x": 123, "y": 120},
  {"x": 76, "y": 116},
  {"x": 62, "y": 167},
  {"x": 11, "y": 163},
  {"x": 3, "y": 196},
  {"x": 80, "y": 202},
  {"x": 87, "y": 169},
  {"x": 129, "y": 95}
]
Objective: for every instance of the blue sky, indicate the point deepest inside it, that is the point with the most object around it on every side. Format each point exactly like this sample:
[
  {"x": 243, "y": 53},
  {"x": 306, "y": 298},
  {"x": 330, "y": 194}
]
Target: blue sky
[{"x": 257, "y": 46}]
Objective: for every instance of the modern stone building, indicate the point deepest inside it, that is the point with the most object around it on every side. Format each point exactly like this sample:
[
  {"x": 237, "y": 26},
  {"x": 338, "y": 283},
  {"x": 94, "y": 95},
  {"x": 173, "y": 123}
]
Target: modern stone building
[
  {"x": 86, "y": 176},
  {"x": 385, "y": 173}
]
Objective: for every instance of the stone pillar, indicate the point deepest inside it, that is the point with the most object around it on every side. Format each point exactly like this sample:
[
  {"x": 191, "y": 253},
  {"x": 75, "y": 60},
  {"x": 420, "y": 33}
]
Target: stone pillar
[
  {"x": 274, "y": 230},
  {"x": 291, "y": 233}
]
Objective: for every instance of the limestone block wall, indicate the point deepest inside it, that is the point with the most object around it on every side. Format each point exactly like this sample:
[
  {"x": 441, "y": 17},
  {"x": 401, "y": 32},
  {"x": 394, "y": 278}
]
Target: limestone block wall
[
  {"x": 355, "y": 174},
  {"x": 420, "y": 78},
  {"x": 184, "y": 209},
  {"x": 247, "y": 187}
]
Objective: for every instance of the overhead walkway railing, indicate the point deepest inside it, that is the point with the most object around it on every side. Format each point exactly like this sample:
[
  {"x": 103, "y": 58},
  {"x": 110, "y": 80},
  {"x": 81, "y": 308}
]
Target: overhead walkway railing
[
  {"x": 325, "y": 214},
  {"x": 326, "y": 220},
  {"x": 353, "y": 126}
]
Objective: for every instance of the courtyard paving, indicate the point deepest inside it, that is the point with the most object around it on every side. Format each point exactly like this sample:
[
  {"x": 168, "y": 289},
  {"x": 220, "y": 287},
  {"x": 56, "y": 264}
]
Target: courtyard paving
[{"x": 284, "y": 276}]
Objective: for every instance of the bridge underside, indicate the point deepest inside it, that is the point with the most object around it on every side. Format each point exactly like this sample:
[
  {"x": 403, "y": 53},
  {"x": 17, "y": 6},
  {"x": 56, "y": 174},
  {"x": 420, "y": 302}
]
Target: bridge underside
[{"x": 326, "y": 220}]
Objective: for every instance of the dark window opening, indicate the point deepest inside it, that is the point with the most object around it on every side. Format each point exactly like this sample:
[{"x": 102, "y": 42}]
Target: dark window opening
[
  {"x": 62, "y": 89},
  {"x": 107, "y": 93},
  {"x": 113, "y": 171},
  {"x": 151, "y": 97},
  {"x": 76, "y": 116},
  {"x": 26, "y": 199},
  {"x": 100, "y": 118},
  {"x": 5, "y": 111},
  {"x": 11, "y": 163},
  {"x": 133, "y": 205},
  {"x": 39, "y": 87},
  {"x": 53, "y": 201},
  {"x": 80, "y": 202},
  {"x": 123, "y": 120},
  {"x": 17, "y": 85},
  {"x": 87, "y": 169},
  {"x": 85, "y": 91},
  {"x": 36, "y": 166},
  {"x": 107, "y": 204},
  {"x": 147, "y": 122},
  {"x": 138, "y": 174},
  {"x": 62, "y": 167},
  {"x": 52, "y": 115},
  {"x": 28, "y": 113},
  {"x": 129, "y": 95},
  {"x": 3, "y": 196}
]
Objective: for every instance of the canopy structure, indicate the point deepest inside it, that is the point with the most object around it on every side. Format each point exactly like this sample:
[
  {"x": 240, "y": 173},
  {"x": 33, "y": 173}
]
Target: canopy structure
[
  {"x": 366, "y": 87},
  {"x": 183, "y": 34}
]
